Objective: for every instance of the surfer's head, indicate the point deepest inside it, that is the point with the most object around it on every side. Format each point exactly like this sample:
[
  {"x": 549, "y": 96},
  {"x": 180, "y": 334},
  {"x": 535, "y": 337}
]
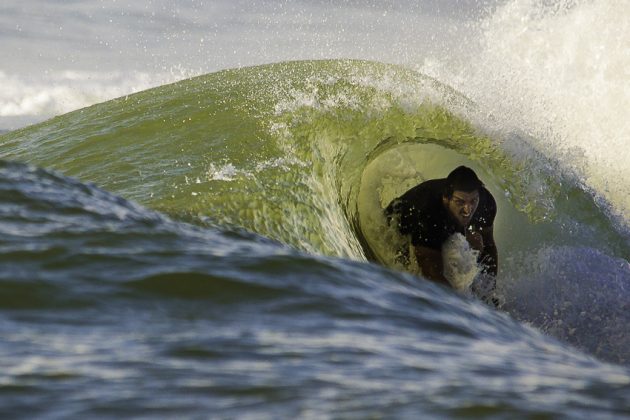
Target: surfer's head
[{"x": 461, "y": 195}]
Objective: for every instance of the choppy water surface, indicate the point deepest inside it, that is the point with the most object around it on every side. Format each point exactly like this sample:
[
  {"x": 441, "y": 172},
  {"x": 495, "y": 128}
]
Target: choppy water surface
[{"x": 110, "y": 309}]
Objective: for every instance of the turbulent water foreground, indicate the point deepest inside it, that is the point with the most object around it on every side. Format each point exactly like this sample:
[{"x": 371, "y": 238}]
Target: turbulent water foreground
[{"x": 246, "y": 290}]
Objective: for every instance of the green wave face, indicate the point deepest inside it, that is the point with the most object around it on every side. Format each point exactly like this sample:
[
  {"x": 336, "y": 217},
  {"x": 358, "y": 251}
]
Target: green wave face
[{"x": 282, "y": 150}]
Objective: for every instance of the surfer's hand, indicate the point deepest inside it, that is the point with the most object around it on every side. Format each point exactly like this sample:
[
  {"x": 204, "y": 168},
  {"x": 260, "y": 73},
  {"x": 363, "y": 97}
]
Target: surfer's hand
[{"x": 475, "y": 240}]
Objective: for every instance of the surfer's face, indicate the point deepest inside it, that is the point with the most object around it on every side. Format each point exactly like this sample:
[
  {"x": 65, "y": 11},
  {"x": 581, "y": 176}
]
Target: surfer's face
[{"x": 462, "y": 206}]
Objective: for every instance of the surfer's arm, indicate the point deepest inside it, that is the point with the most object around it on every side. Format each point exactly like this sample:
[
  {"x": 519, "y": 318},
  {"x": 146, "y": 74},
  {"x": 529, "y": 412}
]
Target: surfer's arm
[
  {"x": 489, "y": 257},
  {"x": 430, "y": 263}
]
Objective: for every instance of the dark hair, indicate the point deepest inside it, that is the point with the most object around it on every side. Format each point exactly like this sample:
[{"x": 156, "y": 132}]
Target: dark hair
[{"x": 462, "y": 179}]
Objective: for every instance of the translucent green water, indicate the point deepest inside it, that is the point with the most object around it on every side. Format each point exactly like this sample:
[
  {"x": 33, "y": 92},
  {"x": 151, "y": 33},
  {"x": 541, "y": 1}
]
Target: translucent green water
[{"x": 279, "y": 149}]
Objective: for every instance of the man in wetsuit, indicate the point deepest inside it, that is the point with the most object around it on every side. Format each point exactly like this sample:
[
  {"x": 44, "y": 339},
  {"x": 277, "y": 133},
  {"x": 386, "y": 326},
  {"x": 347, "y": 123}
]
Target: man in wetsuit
[{"x": 434, "y": 210}]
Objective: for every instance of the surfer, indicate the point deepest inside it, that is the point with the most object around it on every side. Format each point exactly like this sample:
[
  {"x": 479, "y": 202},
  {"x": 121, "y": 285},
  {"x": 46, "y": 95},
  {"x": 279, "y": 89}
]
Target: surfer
[{"x": 433, "y": 211}]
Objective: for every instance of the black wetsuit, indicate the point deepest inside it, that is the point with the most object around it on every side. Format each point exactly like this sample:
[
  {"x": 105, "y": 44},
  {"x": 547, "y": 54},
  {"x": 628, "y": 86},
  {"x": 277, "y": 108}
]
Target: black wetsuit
[{"x": 422, "y": 215}]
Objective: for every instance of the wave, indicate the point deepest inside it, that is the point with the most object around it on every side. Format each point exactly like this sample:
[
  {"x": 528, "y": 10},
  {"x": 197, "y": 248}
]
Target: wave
[
  {"x": 65, "y": 241},
  {"x": 283, "y": 151}
]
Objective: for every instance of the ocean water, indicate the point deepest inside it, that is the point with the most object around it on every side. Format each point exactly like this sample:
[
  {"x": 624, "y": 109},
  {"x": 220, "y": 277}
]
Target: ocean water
[{"x": 191, "y": 198}]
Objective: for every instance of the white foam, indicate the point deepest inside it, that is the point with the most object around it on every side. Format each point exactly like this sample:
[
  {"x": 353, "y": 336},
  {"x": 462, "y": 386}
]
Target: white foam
[
  {"x": 227, "y": 172},
  {"x": 23, "y": 99},
  {"x": 460, "y": 262},
  {"x": 559, "y": 72}
]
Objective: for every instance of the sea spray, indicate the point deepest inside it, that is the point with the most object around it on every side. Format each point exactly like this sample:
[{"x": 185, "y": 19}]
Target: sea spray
[
  {"x": 460, "y": 262},
  {"x": 556, "y": 72}
]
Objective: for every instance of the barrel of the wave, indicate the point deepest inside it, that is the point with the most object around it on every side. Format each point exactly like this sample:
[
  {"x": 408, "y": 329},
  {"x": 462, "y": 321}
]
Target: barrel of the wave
[{"x": 394, "y": 172}]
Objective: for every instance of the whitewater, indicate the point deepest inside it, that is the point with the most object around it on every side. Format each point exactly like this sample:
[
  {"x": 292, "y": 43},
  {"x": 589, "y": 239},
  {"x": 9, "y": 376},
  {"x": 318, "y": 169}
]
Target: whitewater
[{"x": 191, "y": 202}]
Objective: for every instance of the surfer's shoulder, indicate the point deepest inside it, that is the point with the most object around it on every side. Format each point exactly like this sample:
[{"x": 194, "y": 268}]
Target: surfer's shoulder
[
  {"x": 422, "y": 196},
  {"x": 431, "y": 187}
]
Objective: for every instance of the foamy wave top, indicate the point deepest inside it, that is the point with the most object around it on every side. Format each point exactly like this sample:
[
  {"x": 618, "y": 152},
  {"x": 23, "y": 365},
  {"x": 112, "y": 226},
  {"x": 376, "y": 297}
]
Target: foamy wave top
[
  {"x": 557, "y": 72},
  {"x": 64, "y": 91}
]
